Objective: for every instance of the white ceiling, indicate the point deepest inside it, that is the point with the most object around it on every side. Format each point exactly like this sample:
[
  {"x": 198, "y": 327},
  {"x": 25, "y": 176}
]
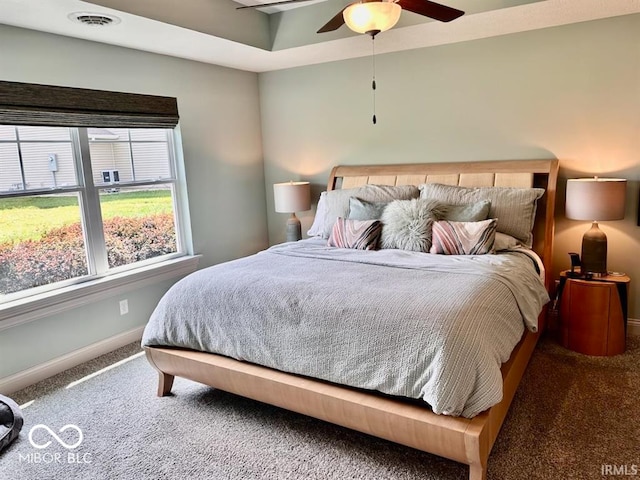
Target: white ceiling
[
  {"x": 149, "y": 35},
  {"x": 278, "y": 8}
]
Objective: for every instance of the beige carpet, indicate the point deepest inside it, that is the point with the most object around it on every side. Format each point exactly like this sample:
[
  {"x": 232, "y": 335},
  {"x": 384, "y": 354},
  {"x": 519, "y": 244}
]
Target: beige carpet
[{"x": 574, "y": 417}]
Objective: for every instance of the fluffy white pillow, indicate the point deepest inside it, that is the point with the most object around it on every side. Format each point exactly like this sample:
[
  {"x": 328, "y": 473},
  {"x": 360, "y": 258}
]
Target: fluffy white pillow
[{"x": 407, "y": 224}]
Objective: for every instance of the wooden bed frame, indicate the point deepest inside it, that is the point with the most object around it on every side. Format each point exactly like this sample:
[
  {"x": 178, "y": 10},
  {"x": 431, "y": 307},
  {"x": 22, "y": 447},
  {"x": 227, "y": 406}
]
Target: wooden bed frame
[{"x": 464, "y": 440}]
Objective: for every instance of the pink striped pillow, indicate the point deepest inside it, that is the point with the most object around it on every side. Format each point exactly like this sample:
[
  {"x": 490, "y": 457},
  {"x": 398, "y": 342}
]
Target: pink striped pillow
[
  {"x": 356, "y": 234},
  {"x": 463, "y": 238}
]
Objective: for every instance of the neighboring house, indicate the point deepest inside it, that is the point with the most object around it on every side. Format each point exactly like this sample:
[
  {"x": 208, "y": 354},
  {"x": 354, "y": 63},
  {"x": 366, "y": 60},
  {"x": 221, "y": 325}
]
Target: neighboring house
[{"x": 111, "y": 151}]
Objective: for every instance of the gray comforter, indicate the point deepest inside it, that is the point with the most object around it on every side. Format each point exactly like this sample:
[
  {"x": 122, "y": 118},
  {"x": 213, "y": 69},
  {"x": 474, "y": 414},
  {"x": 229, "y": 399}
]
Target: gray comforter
[{"x": 417, "y": 325}]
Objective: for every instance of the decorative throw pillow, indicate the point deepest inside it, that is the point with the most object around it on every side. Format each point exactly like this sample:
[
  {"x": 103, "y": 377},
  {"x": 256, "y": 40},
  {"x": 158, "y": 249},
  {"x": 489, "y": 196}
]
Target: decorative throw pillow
[
  {"x": 463, "y": 238},
  {"x": 407, "y": 224},
  {"x": 11, "y": 421},
  {"x": 356, "y": 234},
  {"x": 362, "y": 210},
  {"x": 514, "y": 208},
  {"x": 471, "y": 212},
  {"x": 318, "y": 221},
  {"x": 338, "y": 200}
]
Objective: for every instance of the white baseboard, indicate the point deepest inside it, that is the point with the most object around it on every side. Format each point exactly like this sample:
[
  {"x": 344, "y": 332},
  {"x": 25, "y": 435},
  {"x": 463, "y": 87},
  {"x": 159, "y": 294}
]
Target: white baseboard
[
  {"x": 35, "y": 374},
  {"x": 633, "y": 326}
]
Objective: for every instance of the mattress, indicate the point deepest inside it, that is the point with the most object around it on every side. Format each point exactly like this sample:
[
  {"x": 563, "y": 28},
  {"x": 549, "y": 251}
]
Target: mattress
[{"x": 430, "y": 327}]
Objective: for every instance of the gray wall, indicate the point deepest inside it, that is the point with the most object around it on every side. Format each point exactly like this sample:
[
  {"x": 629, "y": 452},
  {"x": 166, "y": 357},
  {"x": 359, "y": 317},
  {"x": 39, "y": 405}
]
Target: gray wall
[
  {"x": 571, "y": 93},
  {"x": 221, "y": 138}
]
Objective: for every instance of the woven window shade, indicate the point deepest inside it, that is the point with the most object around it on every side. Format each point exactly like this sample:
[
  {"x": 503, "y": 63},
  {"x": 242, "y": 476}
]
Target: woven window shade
[{"x": 47, "y": 105}]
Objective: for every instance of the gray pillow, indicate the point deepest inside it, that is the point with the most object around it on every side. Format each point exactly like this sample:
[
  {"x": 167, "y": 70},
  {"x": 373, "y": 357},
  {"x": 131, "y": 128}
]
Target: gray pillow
[
  {"x": 11, "y": 421},
  {"x": 337, "y": 201},
  {"x": 504, "y": 242},
  {"x": 406, "y": 224},
  {"x": 472, "y": 212},
  {"x": 363, "y": 210},
  {"x": 514, "y": 208}
]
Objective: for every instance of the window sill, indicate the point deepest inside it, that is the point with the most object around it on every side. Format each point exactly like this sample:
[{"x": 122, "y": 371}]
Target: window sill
[{"x": 67, "y": 298}]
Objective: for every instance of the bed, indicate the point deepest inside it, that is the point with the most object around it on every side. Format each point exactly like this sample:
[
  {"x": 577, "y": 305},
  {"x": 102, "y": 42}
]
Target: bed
[{"x": 466, "y": 436}]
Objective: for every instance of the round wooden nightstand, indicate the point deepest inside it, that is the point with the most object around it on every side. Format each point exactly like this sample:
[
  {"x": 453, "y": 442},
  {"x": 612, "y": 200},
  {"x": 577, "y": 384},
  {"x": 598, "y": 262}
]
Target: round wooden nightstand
[{"x": 593, "y": 313}]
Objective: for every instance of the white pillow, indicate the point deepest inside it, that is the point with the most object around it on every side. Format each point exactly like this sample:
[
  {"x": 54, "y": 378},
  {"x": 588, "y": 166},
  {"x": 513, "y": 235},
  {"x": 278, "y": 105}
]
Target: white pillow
[
  {"x": 318, "y": 220},
  {"x": 406, "y": 224}
]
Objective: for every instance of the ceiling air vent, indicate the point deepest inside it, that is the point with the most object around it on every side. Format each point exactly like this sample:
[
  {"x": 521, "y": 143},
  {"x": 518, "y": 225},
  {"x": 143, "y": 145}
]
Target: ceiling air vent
[{"x": 94, "y": 19}]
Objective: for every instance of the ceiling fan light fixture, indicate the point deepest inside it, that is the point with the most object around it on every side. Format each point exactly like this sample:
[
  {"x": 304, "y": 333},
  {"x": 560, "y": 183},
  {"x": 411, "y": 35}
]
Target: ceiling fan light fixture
[{"x": 372, "y": 17}]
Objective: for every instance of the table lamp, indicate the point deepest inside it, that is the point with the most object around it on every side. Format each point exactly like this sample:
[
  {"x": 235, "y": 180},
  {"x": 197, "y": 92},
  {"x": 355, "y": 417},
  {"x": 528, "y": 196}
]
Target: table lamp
[
  {"x": 595, "y": 199},
  {"x": 291, "y": 197}
]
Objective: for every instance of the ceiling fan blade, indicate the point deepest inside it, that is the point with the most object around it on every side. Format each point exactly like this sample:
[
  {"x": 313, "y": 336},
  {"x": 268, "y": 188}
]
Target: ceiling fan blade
[
  {"x": 333, "y": 24},
  {"x": 261, "y": 5},
  {"x": 431, "y": 9}
]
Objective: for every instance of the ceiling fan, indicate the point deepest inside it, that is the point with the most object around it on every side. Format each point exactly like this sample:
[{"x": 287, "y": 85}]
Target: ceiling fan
[{"x": 375, "y": 16}]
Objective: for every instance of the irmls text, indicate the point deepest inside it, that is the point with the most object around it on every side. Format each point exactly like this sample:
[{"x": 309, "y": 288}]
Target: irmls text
[{"x": 628, "y": 470}]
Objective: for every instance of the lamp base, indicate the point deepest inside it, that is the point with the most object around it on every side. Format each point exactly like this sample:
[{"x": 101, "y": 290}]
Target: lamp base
[
  {"x": 294, "y": 229},
  {"x": 594, "y": 252}
]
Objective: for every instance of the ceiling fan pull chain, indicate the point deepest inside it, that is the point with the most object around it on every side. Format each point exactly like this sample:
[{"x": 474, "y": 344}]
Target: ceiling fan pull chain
[{"x": 373, "y": 83}]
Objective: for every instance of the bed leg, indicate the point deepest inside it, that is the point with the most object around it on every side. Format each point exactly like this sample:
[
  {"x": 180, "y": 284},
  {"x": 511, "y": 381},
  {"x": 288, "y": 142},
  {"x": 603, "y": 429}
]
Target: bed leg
[
  {"x": 477, "y": 471},
  {"x": 165, "y": 382}
]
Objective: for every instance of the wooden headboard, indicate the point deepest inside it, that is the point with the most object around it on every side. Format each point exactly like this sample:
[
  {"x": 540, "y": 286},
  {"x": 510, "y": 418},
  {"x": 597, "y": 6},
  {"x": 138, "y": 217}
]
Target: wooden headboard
[{"x": 510, "y": 173}]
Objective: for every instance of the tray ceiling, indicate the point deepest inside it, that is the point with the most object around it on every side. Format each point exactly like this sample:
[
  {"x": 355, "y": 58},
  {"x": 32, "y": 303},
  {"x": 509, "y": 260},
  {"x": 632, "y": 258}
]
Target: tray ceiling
[{"x": 213, "y": 31}]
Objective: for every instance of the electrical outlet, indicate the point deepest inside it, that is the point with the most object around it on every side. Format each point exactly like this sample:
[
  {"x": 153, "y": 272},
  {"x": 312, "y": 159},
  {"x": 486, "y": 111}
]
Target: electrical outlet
[{"x": 124, "y": 307}]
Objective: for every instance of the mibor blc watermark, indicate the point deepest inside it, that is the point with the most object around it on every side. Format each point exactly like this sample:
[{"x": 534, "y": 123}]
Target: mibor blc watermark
[
  {"x": 55, "y": 457},
  {"x": 622, "y": 470}
]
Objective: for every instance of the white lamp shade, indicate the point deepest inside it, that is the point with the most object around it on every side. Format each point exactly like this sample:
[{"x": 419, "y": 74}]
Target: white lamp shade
[
  {"x": 292, "y": 197},
  {"x": 372, "y": 16},
  {"x": 595, "y": 199}
]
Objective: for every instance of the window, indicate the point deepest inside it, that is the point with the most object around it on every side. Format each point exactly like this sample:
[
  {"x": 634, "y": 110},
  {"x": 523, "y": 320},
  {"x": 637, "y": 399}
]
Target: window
[{"x": 77, "y": 203}]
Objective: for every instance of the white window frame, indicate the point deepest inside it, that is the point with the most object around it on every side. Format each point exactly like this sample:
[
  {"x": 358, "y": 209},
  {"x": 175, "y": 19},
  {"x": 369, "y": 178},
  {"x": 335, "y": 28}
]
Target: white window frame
[{"x": 103, "y": 281}]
